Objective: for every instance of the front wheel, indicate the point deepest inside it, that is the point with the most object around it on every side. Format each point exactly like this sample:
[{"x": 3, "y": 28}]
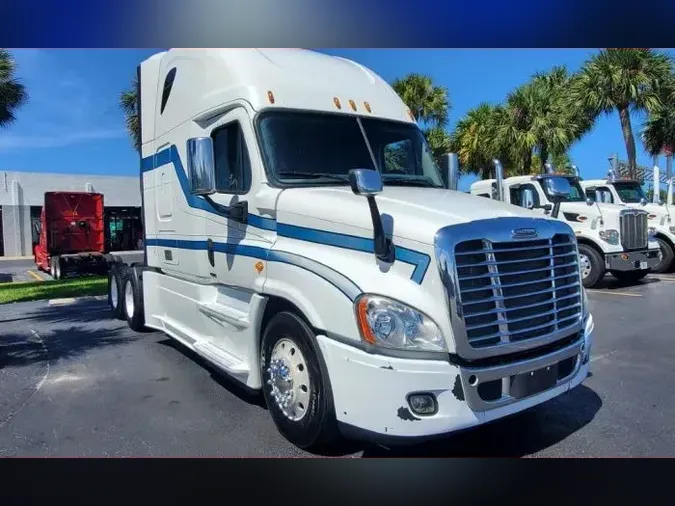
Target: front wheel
[
  {"x": 295, "y": 382},
  {"x": 591, "y": 265},
  {"x": 629, "y": 276},
  {"x": 667, "y": 256}
]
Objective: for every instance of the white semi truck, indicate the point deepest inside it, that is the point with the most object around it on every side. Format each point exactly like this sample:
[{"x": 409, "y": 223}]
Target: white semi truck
[
  {"x": 629, "y": 192},
  {"x": 299, "y": 236},
  {"x": 611, "y": 238}
]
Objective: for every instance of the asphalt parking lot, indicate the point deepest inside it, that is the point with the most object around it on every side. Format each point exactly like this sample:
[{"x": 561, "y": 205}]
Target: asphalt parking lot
[{"x": 74, "y": 382}]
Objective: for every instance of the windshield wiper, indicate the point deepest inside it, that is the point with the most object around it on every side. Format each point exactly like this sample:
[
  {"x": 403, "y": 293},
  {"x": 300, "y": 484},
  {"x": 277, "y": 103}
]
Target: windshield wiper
[
  {"x": 409, "y": 182},
  {"x": 315, "y": 175}
]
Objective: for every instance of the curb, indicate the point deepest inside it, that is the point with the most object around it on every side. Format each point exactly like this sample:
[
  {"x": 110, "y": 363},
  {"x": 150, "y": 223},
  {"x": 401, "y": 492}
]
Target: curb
[{"x": 74, "y": 300}]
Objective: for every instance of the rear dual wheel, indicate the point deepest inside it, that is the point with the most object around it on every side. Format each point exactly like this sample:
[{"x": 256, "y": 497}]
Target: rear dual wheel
[{"x": 125, "y": 295}]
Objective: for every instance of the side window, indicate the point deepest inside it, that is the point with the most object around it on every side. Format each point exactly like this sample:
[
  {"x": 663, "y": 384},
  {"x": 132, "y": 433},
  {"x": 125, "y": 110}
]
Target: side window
[
  {"x": 606, "y": 194},
  {"x": 233, "y": 165},
  {"x": 168, "y": 84},
  {"x": 398, "y": 157}
]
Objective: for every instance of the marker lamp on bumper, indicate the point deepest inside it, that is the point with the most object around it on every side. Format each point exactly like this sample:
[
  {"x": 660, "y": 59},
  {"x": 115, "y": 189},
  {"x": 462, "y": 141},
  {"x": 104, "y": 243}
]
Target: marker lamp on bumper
[
  {"x": 610, "y": 236},
  {"x": 392, "y": 324}
]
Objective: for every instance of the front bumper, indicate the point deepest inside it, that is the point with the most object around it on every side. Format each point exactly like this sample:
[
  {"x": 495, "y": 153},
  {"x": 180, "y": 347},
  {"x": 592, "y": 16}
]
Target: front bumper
[
  {"x": 371, "y": 391},
  {"x": 633, "y": 260}
]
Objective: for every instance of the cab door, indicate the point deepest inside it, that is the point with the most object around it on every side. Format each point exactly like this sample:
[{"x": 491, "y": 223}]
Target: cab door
[{"x": 237, "y": 237}]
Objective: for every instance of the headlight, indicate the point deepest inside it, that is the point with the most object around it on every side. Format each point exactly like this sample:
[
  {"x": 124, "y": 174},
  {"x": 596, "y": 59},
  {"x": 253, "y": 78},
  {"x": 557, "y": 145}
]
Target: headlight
[
  {"x": 391, "y": 324},
  {"x": 611, "y": 236},
  {"x": 652, "y": 231}
]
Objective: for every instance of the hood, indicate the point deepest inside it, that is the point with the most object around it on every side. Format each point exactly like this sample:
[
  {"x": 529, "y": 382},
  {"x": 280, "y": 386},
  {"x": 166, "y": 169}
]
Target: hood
[{"x": 410, "y": 213}]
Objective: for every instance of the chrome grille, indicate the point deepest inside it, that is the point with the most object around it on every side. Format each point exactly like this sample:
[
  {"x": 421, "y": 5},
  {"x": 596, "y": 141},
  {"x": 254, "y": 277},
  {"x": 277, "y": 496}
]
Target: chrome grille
[
  {"x": 517, "y": 290},
  {"x": 634, "y": 230}
]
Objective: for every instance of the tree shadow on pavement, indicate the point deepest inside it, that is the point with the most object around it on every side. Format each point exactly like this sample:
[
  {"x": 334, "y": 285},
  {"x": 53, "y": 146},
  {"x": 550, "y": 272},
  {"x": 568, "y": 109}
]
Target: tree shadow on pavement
[
  {"x": 86, "y": 311},
  {"x": 67, "y": 335}
]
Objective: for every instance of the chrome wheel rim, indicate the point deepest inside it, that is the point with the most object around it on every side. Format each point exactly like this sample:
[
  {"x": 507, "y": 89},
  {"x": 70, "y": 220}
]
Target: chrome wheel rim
[
  {"x": 585, "y": 266},
  {"x": 129, "y": 299},
  {"x": 113, "y": 293},
  {"x": 288, "y": 381}
]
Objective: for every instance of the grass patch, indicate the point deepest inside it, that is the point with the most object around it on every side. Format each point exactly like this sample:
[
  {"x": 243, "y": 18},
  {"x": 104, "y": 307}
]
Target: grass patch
[{"x": 63, "y": 288}]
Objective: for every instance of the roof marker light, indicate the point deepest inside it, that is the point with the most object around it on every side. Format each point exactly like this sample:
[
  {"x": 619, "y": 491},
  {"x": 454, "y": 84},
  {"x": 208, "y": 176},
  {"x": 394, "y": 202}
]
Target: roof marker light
[
  {"x": 270, "y": 97},
  {"x": 336, "y": 101},
  {"x": 352, "y": 105},
  {"x": 367, "y": 106}
]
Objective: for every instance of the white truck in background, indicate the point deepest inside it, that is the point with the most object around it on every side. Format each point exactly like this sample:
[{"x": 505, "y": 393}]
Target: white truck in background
[
  {"x": 611, "y": 238},
  {"x": 299, "y": 236},
  {"x": 629, "y": 192}
]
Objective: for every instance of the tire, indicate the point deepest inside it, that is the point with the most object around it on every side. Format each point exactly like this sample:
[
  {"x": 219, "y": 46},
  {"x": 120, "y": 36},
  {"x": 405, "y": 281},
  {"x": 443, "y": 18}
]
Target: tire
[
  {"x": 630, "y": 276},
  {"x": 134, "y": 312},
  {"x": 115, "y": 291},
  {"x": 309, "y": 422},
  {"x": 592, "y": 266},
  {"x": 667, "y": 260}
]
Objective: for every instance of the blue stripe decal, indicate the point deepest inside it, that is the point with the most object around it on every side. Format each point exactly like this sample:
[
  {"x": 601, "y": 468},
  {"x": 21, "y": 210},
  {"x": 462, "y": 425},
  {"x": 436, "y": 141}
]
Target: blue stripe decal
[
  {"x": 408, "y": 256},
  {"x": 342, "y": 283},
  {"x": 170, "y": 155}
]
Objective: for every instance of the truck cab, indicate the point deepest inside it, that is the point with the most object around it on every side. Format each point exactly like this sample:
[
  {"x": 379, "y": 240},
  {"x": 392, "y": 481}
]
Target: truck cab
[
  {"x": 629, "y": 193},
  {"x": 300, "y": 237},
  {"x": 611, "y": 238}
]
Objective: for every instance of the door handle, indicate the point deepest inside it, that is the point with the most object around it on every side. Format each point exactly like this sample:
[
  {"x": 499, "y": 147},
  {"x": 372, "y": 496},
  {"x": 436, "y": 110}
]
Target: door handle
[{"x": 210, "y": 251}]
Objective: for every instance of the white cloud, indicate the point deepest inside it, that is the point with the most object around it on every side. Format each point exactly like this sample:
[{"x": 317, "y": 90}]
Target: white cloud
[{"x": 38, "y": 141}]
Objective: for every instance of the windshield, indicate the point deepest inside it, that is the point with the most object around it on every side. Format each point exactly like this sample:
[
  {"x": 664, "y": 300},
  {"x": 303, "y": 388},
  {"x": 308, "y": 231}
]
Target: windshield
[
  {"x": 576, "y": 193},
  {"x": 306, "y": 148},
  {"x": 630, "y": 192}
]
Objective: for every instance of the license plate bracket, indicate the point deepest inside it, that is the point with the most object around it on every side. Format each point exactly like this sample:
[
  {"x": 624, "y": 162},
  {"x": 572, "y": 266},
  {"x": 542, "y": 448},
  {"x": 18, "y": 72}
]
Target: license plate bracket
[{"x": 534, "y": 382}]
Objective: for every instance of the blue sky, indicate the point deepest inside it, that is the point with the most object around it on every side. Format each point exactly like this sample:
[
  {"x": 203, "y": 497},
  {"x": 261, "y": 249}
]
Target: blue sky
[{"x": 72, "y": 123}]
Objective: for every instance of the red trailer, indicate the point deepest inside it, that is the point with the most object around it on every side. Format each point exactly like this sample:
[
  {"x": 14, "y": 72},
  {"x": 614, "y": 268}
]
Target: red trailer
[{"x": 71, "y": 234}]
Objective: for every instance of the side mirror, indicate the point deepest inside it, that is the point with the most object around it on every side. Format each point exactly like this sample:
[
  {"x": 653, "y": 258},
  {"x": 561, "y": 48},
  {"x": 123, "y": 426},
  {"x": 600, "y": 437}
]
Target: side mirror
[
  {"x": 589, "y": 201},
  {"x": 450, "y": 168},
  {"x": 201, "y": 166},
  {"x": 643, "y": 201},
  {"x": 528, "y": 198},
  {"x": 368, "y": 183},
  {"x": 365, "y": 182}
]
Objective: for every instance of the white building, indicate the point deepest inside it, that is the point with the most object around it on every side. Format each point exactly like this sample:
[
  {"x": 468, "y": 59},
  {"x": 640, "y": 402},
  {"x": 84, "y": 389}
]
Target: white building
[{"x": 22, "y": 197}]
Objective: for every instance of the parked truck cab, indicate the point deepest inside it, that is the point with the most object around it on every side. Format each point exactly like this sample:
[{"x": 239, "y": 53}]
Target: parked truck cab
[
  {"x": 299, "y": 237},
  {"x": 611, "y": 238},
  {"x": 629, "y": 193}
]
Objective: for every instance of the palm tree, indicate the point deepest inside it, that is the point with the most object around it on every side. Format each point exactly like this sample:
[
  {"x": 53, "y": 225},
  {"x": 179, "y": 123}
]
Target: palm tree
[
  {"x": 129, "y": 105},
  {"x": 12, "y": 93},
  {"x": 516, "y": 126},
  {"x": 557, "y": 121},
  {"x": 475, "y": 140},
  {"x": 623, "y": 80},
  {"x": 428, "y": 103}
]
